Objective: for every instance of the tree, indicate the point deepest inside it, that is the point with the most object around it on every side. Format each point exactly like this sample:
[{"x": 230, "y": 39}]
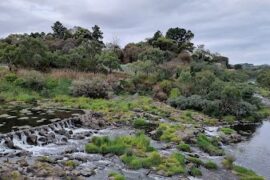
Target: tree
[
  {"x": 109, "y": 60},
  {"x": 157, "y": 35},
  {"x": 131, "y": 52},
  {"x": 82, "y": 33},
  {"x": 144, "y": 67},
  {"x": 8, "y": 55},
  {"x": 59, "y": 30},
  {"x": 97, "y": 34},
  {"x": 32, "y": 53},
  {"x": 238, "y": 66},
  {"x": 153, "y": 54},
  {"x": 264, "y": 78},
  {"x": 165, "y": 44},
  {"x": 182, "y": 37}
]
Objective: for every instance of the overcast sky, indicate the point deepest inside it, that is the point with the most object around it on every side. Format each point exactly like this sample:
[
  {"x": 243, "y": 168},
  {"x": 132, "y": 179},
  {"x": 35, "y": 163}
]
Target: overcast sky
[{"x": 238, "y": 29}]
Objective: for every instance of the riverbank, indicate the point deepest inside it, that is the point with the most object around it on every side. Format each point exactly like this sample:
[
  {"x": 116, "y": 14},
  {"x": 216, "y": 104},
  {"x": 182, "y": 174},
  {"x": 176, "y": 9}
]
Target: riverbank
[{"x": 65, "y": 156}]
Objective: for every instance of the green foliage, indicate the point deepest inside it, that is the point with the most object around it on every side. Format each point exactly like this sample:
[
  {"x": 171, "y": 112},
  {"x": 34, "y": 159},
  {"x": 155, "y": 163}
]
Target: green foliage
[
  {"x": 229, "y": 119},
  {"x": 227, "y": 131},
  {"x": 195, "y": 171},
  {"x": 140, "y": 123},
  {"x": 153, "y": 54},
  {"x": 59, "y": 30},
  {"x": 228, "y": 162},
  {"x": 167, "y": 132},
  {"x": 71, "y": 164},
  {"x": 182, "y": 38},
  {"x": 109, "y": 60},
  {"x": 174, "y": 164},
  {"x": 174, "y": 93},
  {"x": 116, "y": 176},
  {"x": 209, "y": 145},
  {"x": 144, "y": 67},
  {"x": 11, "y": 77},
  {"x": 119, "y": 145},
  {"x": 195, "y": 160},
  {"x": 264, "y": 78},
  {"x": 136, "y": 162},
  {"x": 165, "y": 44},
  {"x": 246, "y": 174},
  {"x": 97, "y": 34},
  {"x": 184, "y": 147},
  {"x": 93, "y": 88},
  {"x": 210, "y": 165}
]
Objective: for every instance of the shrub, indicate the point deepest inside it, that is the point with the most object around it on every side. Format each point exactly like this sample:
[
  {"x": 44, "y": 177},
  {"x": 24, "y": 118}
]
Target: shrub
[
  {"x": 33, "y": 80},
  {"x": 229, "y": 119},
  {"x": 116, "y": 176},
  {"x": 119, "y": 145},
  {"x": 228, "y": 162},
  {"x": 152, "y": 54},
  {"x": 166, "y": 86},
  {"x": 196, "y": 102},
  {"x": 91, "y": 148},
  {"x": 209, "y": 145},
  {"x": 11, "y": 77},
  {"x": 174, "y": 93},
  {"x": 246, "y": 174},
  {"x": 210, "y": 165},
  {"x": 174, "y": 164},
  {"x": 195, "y": 160},
  {"x": 140, "y": 123},
  {"x": 93, "y": 88},
  {"x": 184, "y": 147},
  {"x": 195, "y": 171},
  {"x": 227, "y": 131},
  {"x": 71, "y": 163},
  {"x": 167, "y": 132}
]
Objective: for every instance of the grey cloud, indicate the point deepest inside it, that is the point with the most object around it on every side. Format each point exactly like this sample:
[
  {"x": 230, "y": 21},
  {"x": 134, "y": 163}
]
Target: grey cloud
[{"x": 239, "y": 29}]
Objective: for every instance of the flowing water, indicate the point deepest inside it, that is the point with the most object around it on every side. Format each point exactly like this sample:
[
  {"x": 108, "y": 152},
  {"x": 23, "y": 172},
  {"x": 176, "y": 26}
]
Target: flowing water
[
  {"x": 255, "y": 152},
  {"x": 16, "y": 117}
]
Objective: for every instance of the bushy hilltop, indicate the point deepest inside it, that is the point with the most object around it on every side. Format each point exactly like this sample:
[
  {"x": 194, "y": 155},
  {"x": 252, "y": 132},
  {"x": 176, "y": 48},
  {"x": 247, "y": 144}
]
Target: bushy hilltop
[{"x": 168, "y": 67}]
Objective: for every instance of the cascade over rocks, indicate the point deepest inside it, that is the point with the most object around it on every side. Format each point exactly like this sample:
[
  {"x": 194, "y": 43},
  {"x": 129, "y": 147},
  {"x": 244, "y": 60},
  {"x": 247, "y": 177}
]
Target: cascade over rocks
[{"x": 56, "y": 132}]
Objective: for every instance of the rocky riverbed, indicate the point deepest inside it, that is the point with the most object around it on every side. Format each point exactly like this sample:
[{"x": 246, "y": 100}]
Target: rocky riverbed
[{"x": 57, "y": 150}]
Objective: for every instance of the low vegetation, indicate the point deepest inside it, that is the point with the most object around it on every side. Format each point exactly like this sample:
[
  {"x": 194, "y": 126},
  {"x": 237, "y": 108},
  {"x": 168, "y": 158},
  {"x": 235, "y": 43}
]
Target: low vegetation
[
  {"x": 227, "y": 131},
  {"x": 165, "y": 76},
  {"x": 209, "y": 145},
  {"x": 116, "y": 176}
]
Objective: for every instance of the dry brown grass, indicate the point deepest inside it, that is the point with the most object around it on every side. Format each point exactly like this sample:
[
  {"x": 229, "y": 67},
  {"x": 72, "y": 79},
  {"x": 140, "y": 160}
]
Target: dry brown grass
[{"x": 75, "y": 75}]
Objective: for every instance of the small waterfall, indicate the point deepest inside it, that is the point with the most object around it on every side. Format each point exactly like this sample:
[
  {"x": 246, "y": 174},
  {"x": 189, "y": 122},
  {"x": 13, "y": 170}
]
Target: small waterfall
[
  {"x": 23, "y": 138},
  {"x": 47, "y": 138}
]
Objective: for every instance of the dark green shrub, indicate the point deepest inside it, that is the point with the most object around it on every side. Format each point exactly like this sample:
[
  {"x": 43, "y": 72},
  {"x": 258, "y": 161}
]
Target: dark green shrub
[
  {"x": 184, "y": 147},
  {"x": 209, "y": 145},
  {"x": 71, "y": 163},
  {"x": 195, "y": 171},
  {"x": 195, "y": 160},
  {"x": 11, "y": 77},
  {"x": 139, "y": 123},
  {"x": 246, "y": 174},
  {"x": 227, "y": 131},
  {"x": 33, "y": 80},
  {"x": 210, "y": 165}
]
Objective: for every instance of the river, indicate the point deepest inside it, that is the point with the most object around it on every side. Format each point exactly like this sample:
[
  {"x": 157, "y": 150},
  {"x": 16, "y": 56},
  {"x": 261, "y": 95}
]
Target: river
[{"x": 255, "y": 152}]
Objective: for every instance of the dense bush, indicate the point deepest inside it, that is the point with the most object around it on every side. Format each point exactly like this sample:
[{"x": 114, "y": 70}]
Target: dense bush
[
  {"x": 93, "y": 88},
  {"x": 153, "y": 54},
  {"x": 32, "y": 80},
  {"x": 209, "y": 145},
  {"x": 264, "y": 78}
]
